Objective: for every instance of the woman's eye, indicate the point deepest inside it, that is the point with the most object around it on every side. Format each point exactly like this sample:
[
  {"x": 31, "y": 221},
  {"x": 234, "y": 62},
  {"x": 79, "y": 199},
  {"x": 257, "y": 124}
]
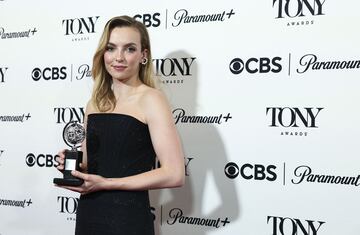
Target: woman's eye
[
  {"x": 131, "y": 49},
  {"x": 109, "y": 48}
]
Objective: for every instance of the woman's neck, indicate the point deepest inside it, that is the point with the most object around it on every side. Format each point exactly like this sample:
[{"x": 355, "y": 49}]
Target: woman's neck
[{"x": 123, "y": 90}]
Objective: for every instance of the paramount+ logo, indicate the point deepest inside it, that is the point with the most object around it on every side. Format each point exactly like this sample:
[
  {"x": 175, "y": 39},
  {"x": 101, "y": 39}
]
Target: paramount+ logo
[
  {"x": 177, "y": 216},
  {"x": 15, "y": 203},
  {"x": 256, "y": 65}
]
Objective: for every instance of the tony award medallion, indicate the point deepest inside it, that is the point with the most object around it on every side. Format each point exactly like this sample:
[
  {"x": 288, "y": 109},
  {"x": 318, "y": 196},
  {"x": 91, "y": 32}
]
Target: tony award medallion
[{"x": 73, "y": 135}]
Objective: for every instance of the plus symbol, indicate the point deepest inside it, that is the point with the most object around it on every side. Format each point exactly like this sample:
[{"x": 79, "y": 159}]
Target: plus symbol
[
  {"x": 29, "y": 202},
  {"x": 34, "y": 31},
  {"x": 230, "y": 13},
  {"x": 225, "y": 221},
  {"x": 227, "y": 117},
  {"x": 28, "y": 116}
]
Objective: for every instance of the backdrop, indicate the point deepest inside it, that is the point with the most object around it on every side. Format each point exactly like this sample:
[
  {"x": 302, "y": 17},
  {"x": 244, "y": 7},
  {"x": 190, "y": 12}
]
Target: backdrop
[{"x": 264, "y": 95}]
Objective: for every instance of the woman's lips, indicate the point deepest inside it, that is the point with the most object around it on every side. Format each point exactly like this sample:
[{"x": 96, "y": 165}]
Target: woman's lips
[{"x": 119, "y": 67}]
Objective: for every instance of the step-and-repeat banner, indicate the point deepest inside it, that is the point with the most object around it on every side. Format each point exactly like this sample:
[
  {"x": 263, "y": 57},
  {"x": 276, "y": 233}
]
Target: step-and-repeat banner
[{"x": 265, "y": 95}]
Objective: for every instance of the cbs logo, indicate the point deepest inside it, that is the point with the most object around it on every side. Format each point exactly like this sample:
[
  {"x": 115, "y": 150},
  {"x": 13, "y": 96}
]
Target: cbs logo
[
  {"x": 149, "y": 20},
  {"x": 53, "y": 73},
  {"x": 255, "y": 65},
  {"x": 251, "y": 171},
  {"x": 41, "y": 160}
]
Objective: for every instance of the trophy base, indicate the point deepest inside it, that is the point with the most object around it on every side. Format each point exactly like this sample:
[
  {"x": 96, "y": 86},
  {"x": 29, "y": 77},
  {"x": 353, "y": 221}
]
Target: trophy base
[{"x": 68, "y": 182}]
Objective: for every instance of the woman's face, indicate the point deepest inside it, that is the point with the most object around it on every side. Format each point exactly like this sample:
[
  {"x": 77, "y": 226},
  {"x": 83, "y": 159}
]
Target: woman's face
[{"x": 123, "y": 54}]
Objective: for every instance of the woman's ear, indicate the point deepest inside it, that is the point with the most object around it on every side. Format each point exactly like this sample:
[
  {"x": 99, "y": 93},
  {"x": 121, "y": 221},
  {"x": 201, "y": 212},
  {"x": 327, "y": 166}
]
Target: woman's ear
[{"x": 144, "y": 54}]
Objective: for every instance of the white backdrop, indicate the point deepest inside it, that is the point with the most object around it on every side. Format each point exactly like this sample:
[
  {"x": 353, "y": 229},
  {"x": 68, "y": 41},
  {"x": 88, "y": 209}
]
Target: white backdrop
[{"x": 264, "y": 93}]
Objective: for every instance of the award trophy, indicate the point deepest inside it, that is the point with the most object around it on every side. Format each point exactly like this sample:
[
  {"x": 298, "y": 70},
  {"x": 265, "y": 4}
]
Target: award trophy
[{"x": 73, "y": 135}]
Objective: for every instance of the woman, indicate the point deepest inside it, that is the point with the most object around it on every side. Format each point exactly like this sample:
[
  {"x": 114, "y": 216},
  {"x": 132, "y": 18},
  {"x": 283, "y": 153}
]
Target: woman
[{"x": 128, "y": 122}]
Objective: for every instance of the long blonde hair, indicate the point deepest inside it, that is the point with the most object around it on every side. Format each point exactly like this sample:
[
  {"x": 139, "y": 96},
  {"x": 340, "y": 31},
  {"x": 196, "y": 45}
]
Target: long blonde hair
[{"x": 103, "y": 98}]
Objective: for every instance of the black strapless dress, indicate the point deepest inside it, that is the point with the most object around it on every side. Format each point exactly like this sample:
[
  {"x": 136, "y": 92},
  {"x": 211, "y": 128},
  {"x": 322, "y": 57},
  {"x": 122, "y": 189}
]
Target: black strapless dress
[{"x": 118, "y": 145}]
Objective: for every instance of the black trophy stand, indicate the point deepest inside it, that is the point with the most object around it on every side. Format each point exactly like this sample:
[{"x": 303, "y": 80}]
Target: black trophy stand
[{"x": 72, "y": 162}]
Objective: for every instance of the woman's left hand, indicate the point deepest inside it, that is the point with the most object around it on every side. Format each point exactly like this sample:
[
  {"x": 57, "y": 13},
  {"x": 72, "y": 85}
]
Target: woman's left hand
[{"x": 92, "y": 183}]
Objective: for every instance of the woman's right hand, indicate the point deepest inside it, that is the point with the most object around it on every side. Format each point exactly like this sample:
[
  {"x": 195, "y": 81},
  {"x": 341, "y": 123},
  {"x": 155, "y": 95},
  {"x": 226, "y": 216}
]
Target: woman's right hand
[{"x": 60, "y": 160}]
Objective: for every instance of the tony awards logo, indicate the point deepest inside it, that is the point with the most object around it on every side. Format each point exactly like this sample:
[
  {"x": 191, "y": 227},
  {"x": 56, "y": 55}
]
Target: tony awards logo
[{"x": 73, "y": 135}]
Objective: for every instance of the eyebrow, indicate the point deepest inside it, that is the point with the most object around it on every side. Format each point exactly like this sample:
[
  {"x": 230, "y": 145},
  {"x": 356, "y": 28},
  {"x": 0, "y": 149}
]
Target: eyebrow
[{"x": 126, "y": 45}]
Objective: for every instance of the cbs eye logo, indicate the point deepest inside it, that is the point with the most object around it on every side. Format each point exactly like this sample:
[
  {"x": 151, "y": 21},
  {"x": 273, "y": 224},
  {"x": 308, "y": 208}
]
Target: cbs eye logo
[
  {"x": 236, "y": 66},
  {"x": 231, "y": 170}
]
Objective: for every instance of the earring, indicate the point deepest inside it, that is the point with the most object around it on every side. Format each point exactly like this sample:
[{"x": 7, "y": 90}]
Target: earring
[{"x": 144, "y": 61}]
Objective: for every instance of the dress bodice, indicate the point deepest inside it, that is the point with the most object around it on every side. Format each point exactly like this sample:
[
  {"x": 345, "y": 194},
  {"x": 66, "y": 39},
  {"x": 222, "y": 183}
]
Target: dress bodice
[{"x": 118, "y": 145}]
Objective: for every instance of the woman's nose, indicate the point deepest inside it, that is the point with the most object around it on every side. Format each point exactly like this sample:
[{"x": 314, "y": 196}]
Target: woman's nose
[{"x": 119, "y": 56}]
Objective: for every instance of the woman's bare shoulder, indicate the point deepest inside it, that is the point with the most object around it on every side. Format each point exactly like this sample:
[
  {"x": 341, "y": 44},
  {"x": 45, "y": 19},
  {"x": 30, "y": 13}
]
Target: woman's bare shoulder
[
  {"x": 151, "y": 95},
  {"x": 153, "y": 102}
]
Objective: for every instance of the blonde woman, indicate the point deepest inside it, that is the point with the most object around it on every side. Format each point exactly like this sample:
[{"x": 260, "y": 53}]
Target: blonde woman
[{"x": 128, "y": 123}]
